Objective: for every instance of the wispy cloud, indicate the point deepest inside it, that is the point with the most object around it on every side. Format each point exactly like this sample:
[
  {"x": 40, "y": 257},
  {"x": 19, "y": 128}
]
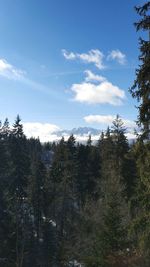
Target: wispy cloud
[
  {"x": 91, "y": 77},
  {"x": 107, "y": 120},
  {"x": 118, "y": 56},
  {"x": 9, "y": 71},
  {"x": 69, "y": 55},
  {"x": 94, "y": 56},
  {"x": 65, "y": 73},
  {"x": 102, "y": 93}
]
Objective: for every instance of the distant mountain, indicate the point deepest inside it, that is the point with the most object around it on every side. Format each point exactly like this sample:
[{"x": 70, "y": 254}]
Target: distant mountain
[{"x": 81, "y": 131}]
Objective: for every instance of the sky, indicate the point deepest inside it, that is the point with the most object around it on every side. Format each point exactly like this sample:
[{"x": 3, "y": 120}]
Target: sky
[{"x": 67, "y": 63}]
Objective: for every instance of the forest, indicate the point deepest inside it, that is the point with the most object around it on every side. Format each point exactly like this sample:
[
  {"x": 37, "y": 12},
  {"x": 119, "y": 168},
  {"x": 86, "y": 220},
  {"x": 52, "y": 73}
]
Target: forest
[{"x": 88, "y": 205}]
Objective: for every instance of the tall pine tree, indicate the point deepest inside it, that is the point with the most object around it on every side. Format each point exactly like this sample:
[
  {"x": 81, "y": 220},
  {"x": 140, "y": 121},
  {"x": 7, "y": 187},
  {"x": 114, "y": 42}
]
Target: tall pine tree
[{"x": 141, "y": 87}]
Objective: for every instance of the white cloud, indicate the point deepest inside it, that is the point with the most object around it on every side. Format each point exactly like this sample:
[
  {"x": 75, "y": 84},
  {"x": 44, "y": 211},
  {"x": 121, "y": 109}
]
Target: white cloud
[
  {"x": 45, "y": 131},
  {"x": 69, "y": 55},
  {"x": 129, "y": 124},
  {"x": 9, "y": 71},
  {"x": 100, "y": 119},
  {"x": 131, "y": 136},
  {"x": 107, "y": 120},
  {"x": 94, "y": 56},
  {"x": 84, "y": 138},
  {"x": 118, "y": 56},
  {"x": 90, "y": 76},
  {"x": 102, "y": 93}
]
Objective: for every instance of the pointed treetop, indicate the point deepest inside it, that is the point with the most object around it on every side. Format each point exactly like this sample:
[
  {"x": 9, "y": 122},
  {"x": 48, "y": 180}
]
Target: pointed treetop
[
  {"x": 5, "y": 128},
  {"x": 89, "y": 141},
  {"x": 71, "y": 140},
  {"x": 118, "y": 125},
  {"x": 18, "y": 128},
  {"x": 107, "y": 132},
  {"x": 102, "y": 135}
]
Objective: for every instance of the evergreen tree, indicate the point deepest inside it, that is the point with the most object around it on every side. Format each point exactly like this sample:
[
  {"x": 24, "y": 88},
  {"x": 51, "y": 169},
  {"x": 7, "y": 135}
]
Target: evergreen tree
[
  {"x": 18, "y": 189},
  {"x": 88, "y": 171},
  {"x": 5, "y": 174},
  {"x": 140, "y": 226},
  {"x": 124, "y": 162},
  {"x": 20, "y": 158},
  {"x": 114, "y": 211},
  {"x": 141, "y": 91},
  {"x": 141, "y": 87},
  {"x": 38, "y": 212},
  {"x": 64, "y": 203}
]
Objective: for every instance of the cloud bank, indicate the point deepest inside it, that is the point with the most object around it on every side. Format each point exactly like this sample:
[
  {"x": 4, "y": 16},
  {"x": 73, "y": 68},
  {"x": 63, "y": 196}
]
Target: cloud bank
[{"x": 45, "y": 131}]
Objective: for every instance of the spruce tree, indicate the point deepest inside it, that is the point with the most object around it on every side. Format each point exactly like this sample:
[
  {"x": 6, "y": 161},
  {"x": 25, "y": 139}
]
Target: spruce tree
[
  {"x": 141, "y": 87},
  {"x": 140, "y": 201},
  {"x": 38, "y": 212},
  {"x": 64, "y": 204},
  {"x": 141, "y": 91},
  {"x": 124, "y": 162},
  {"x": 114, "y": 212},
  {"x": 18, "y": 189}
]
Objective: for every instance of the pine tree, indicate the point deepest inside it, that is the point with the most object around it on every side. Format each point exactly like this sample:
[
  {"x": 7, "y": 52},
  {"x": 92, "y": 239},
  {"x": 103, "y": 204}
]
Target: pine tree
[
  {"x": 114, "y": 212},
  {"x": 140, "y": 201},
  {"x": 88, "y": 171},
  {"x": 18, "y": 188},
  {"x": 141, "y": 87},
  {"x": 38, "y": 212},
  {"x": 5, "y": 218},
  {"x": 141, "y": 91},
  {"x": 124, "y": 161}
]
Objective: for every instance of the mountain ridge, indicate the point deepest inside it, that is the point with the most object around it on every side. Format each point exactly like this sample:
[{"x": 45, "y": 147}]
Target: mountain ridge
[{"x": 82, "y": 131}]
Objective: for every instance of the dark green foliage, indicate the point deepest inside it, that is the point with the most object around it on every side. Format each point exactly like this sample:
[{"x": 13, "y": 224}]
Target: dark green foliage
[
  {"x": 140, "y": 203},
  {"x": 140, "y": 200},
  {"x": 141, "y": 87},
  {"x": 90, "y": 204}
]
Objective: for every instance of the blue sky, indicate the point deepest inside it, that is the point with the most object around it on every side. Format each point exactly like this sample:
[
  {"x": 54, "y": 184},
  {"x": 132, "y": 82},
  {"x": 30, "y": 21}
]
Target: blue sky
[{"x": 67, "y": 63}]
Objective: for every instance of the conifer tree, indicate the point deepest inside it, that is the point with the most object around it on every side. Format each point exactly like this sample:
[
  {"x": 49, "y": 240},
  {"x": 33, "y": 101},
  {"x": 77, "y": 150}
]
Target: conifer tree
[
  {"x": 114, "y": 212},
  {"x": 38, "y": 211},
  {"x": 5, "y": 218},
  {"x": 124, "y": 163},
  {"x": 141, "y": 87},
  {"x": 20, "y": 158},
  {"x": 64, "y": 203},
  {"x": 141, "y": 91},
  {"x": 140, "y": 201},
  {"x": 18, "y": 188}
]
